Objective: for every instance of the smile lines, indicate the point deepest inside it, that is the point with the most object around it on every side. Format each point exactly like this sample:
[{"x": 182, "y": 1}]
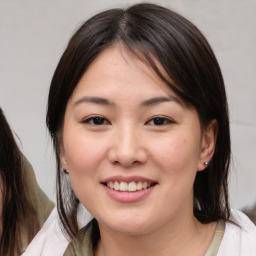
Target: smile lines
[{"x": 130, "y": 187}]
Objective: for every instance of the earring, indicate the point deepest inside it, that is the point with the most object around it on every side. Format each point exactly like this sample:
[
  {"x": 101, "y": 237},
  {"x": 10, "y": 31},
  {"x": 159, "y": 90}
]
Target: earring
[
  {"x": 206, "y": 163},
  {"x": 64, "y": 162},
  {"x": 66, "y": 171}
]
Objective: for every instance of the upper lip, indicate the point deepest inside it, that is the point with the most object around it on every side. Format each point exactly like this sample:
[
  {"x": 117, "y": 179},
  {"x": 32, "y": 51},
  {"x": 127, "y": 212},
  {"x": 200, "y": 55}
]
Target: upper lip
[{"x": 127, "y": 179}]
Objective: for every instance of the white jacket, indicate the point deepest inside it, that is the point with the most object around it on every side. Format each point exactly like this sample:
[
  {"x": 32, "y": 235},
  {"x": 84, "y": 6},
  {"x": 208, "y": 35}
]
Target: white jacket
[
  {"x": 50, "y": 240},
  {"x": 238, "y": 240}
]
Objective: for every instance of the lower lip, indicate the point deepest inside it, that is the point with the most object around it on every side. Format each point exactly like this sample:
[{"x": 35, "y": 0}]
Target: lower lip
[{"x": 128, "y": 197}]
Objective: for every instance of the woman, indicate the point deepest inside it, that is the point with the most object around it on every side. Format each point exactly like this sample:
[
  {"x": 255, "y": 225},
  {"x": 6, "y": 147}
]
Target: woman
[
  {"x": 138, "y": 114},
  {"x": 23, "y": 205}
]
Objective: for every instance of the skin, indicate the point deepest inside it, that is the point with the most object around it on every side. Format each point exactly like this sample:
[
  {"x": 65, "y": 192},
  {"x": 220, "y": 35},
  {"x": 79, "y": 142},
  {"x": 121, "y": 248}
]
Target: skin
[{"x": 141, "y": 129}]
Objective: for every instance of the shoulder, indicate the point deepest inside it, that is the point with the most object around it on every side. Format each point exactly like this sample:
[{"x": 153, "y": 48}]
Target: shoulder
[
  {"x": 239, "y": 237},
  {"x": 41, "y": 204},
  {"x": 51, "y": 239},
  {"x": 36, "y": 205},
  {"x": 81, "y": 245}
]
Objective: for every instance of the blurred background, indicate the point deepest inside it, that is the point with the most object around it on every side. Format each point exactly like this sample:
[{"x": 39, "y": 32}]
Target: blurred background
[{"x": 33, "y": 35}]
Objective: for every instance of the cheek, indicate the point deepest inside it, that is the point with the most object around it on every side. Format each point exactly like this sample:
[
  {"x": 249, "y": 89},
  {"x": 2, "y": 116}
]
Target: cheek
[
  {"x": 178, "y": 155},
  {"x": 81, "y": 154},
  {"x": 178, "y": 165},
  {"x": 82, "y": 157}
]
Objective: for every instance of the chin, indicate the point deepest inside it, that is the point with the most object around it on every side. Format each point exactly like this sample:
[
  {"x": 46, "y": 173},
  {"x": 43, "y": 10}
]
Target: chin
[{"x": 129, "y": 226}]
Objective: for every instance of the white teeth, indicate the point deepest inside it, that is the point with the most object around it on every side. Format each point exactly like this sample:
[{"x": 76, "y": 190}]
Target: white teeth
[
  {"x": 111, "y": 184},
  {"x": 131, "y": 186},
  {"x": 116, "y": 185},
  {"x": 139, "y": 185},
  {"x": 144, "y": 185},
  {"x": 123, "y": 186}
]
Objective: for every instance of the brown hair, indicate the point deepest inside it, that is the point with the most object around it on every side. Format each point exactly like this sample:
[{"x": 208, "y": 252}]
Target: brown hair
[
  {"x": 18, "y": 213},
  {"x": 156, "y": 33}
]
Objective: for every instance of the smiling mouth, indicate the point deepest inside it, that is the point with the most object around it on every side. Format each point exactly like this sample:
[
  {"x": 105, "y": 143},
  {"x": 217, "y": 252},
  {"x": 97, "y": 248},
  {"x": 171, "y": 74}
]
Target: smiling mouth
[{"x": 129, "y": 186}]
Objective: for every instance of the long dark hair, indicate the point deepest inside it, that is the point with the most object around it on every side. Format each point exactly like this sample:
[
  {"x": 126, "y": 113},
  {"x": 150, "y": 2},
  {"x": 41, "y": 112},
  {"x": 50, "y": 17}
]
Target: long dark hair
[
  {"x": 152, "y": 33},
  {"x": 18, "y": 213}
]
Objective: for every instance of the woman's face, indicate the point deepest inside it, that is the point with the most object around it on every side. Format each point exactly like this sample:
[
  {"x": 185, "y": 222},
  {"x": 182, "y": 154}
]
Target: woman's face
[{"x": 132, "y": 148}]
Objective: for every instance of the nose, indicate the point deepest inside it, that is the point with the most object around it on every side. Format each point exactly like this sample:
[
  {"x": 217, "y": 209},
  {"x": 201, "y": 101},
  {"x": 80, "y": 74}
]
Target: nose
[{"x": 127, "y": 148}]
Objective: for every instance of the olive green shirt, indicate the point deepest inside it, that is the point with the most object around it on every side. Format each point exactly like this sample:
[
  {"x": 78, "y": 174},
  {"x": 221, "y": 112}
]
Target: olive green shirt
[
  {"x": 215, "y": 245},
  {"x": 41, "y": 203}
]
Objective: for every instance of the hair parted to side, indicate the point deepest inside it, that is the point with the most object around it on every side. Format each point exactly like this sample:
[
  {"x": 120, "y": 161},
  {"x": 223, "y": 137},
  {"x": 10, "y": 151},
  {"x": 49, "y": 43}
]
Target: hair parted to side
[
  {"x": 156, "y": 35},
  {"x": 18, "y": 212}
]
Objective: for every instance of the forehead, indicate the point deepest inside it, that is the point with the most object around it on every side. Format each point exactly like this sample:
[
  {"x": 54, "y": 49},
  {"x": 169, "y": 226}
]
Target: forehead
[{"x": 116, "y": 68}]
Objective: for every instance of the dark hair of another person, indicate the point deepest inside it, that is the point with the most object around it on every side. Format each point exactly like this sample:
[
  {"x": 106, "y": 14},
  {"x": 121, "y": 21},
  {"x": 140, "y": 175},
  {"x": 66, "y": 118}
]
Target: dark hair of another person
[
  {"x": 18, "y": 212},
  {"x": 151, "y": 33}
]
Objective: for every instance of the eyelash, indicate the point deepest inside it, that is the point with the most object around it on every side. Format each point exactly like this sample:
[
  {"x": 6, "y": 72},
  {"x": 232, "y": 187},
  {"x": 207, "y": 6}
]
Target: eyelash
[
  {"x": 160, "y": 120},
  {"x": 96, "y": 120},
  {"x": 99, "y": 120}
]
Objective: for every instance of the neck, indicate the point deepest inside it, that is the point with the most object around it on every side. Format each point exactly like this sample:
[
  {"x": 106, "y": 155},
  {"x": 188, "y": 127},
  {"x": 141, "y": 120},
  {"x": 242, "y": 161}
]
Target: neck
[{"x": 177, "y": 238}]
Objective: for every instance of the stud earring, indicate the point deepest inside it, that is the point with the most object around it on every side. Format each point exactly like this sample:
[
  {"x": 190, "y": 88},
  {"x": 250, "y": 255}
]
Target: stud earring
[
  {"x": 206, "y": 163},
  {"x": 66, "y": 171}
]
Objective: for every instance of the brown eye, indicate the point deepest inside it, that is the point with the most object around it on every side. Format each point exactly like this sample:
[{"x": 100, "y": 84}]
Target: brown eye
[
  {"x": 96, "y": 120},
  {"x": 159, "y": 121}
]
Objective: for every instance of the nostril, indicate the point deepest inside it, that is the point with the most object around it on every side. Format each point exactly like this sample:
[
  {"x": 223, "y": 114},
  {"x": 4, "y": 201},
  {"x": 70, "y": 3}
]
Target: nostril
[{"x": 127, "y": 156}]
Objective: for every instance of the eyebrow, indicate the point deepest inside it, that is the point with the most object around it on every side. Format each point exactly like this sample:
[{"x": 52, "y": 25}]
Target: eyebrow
[
  {"x": 96, "y": 100},
  {"x": 158, "y": 100},
  {"x": 146, "y": 103}
]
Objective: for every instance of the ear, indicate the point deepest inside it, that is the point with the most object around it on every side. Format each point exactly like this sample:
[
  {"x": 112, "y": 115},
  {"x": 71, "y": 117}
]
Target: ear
[
  {"x": 63, "y": 161},
  {"x": 208, "y": 142}
]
